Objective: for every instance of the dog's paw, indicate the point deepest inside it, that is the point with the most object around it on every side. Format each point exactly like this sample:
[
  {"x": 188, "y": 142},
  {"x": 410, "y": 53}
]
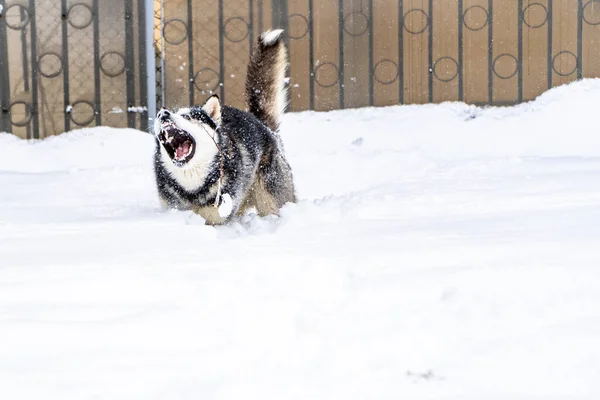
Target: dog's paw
[{"x": 226, "y": 206}]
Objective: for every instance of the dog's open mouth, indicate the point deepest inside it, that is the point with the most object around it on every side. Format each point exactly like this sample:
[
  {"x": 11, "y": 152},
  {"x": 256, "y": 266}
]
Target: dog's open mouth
[{"x": 179, "y": 144}]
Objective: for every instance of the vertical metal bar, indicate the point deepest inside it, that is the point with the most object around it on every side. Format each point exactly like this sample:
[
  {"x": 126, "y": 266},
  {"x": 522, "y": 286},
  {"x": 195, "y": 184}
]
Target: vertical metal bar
[
  {"x": 490, "y": 52},
  {"x": 190, "y": 40},
  {"x": 163, "y": 52},
  {"x": 401, "y": 51},
  {"x": 550, "y": 72},
  {"x": 311, "y": 56},
  {"x": 25, "y": 65},
  {"x": 520, "y": 52},
  {"x": 3, "y": 69},
  {"x": 275, "y": 13},
  {"x": 34, "y": 71},
  {"x": 371, "y": 69},
  {"x": 579, "y": 39},
  {"x": 130, "y": 63},
  {"x": 251, "y": 25},
  {"x": 65, "y": 58},
  {"x": 150, "y": 58},
  {"x": 461, "y": 39},
  {"x": 221, "y": 52},
  {"x": 284, "y": 21},
  {"x": 25, "y": 58},
  {"x": 260, "y": 16},
  {"x": 5, "y": 124},
  {"x": 341, "y": 51},
  {"x": 430, "y": 51},
  {"x": 97, "y": 88},
  {"x": 143, "y": 75}
]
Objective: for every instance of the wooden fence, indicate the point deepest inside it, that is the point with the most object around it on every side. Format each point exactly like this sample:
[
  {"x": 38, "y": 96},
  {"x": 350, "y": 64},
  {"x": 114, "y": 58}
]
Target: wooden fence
[
  {"x": 346, "y": 53},
  {"x": 75, "y": 63}
]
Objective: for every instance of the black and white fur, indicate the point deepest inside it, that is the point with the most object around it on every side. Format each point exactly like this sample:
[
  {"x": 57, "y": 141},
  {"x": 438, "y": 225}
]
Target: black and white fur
[{"x": 220, "y": 161}]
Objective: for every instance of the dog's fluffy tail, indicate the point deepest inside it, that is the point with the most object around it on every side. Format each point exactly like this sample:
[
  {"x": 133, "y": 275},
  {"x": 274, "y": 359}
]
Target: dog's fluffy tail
[{"x": 266, "y": 92}]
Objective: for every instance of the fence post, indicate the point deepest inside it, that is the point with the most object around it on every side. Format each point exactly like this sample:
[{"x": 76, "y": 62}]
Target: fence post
[
  {"x": 130, "y": 64},
  {"x": 281, "y": 20},
  {"x": 5, "y": 125},
  {"x": 150, "y": 61},
  {"x": 34, "y": 70},
  {"x": 280, "y": 15}
]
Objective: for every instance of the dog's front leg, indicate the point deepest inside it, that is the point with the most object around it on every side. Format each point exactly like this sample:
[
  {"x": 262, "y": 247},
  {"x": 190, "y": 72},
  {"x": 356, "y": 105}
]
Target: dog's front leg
[{"x": 219, "y": 215}]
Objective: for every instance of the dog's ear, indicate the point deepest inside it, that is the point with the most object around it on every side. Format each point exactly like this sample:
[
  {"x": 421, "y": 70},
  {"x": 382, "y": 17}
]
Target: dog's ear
[{"x": 212, "y": 107}]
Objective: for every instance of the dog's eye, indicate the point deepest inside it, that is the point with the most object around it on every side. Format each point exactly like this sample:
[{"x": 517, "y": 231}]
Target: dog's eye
[{"x": 186, "y": 116}]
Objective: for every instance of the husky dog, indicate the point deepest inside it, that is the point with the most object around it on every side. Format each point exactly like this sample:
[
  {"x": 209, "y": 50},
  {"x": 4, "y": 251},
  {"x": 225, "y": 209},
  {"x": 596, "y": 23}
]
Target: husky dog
[{"x": 220, "y": 161}]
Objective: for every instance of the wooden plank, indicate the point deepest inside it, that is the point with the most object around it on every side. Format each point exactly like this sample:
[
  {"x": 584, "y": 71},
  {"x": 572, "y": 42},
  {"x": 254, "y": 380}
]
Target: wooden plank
[
  {"x": 591, "y": 40},
  {"x": 206, "y": 50},
  {"x": 267, "y": 15},
  {"x": 475, "y": 51},
  {"x": 416, "y": 47},
  {"x": 236, "y": 51},
  {"x": 326, "y": 52},
  {"x": 386, "y": 61},
  {"x": 445, "y": 50},
  {"x": 50, "y": 97},
  {"x": 177, "y": 82},
  {"x": 113, "y": 79},
  {"x": 535, "y": 48},
  {"x": 299, "y": 55},
  {"x": 505, "y": 47},
  {"x": 355, "y": 23},
  {"x": 564, "y": 43}
]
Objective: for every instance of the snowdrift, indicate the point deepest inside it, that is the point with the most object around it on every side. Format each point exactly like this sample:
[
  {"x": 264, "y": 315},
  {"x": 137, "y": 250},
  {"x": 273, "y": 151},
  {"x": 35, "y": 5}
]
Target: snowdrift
[{"x": 437, "y": 252}]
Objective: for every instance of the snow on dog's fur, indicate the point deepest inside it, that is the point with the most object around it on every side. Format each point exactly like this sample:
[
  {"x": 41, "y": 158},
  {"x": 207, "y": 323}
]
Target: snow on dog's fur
[{"x": 214, "y": 155}]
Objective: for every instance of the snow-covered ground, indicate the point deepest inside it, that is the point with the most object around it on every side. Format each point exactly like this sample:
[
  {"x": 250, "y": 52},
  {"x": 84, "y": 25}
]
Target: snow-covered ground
[{"x": 436, "y": 252}]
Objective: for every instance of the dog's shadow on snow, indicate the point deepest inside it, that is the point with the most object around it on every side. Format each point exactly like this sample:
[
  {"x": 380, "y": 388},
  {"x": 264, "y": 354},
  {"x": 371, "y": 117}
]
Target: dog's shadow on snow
[
  {"x": 293, "y": 216},
  {"x": 251, "y": 224}
]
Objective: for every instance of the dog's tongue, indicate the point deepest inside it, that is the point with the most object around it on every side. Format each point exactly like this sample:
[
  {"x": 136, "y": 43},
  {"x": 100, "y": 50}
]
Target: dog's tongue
[{"x": 183, "y": 150}]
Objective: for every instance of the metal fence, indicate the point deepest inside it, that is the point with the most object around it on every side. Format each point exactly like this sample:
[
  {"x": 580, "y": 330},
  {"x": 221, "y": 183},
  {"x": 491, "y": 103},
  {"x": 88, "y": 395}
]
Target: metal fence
[
  {"x": 68, "y": 64},
  {"x": 73, "y": 63},
  {"x": 354, "y": 53},
  {"x": 205, "y": 46}
]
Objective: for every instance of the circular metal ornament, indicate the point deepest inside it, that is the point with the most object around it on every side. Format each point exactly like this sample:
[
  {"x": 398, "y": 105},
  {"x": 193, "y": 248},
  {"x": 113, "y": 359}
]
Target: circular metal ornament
[
  {"x": 382, "y": 64},
  {"x": 23, "y": 19},
  {"x": 469, "y": 11},
  {"x": 337, "y": 74},
  {"x": 236, "y": 22},
  {"x": 109, "y": 58},
  {"x": 82, "y": 122},
  {"x": 413, "y": 12},
  {"x": 28, "y": 115},
  {"x": 528, "y": 9},
  {"x": 437, "y": 63},
  {"x": 304, "y": 23},
  {"x": 170, "y": 30},
  {"x": 504, "y": 56},
  {"x": 554, "y": 59},
  {"x": 197, "y": 79},
  {"x": 352, "y": 17},
  {"x": 46, "y": 67},
  {"x": 584, "y": 10},
  {"x": 80, "y": 15}
]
